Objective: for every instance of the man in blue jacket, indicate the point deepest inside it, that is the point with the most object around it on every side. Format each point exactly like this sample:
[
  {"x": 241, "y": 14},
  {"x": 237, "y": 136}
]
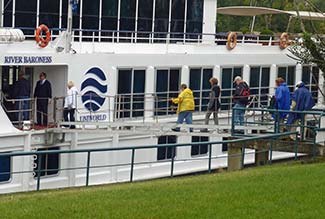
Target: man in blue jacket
[
  {"x": 282, "y": 100},
  {"x": 302, "y": 100}
]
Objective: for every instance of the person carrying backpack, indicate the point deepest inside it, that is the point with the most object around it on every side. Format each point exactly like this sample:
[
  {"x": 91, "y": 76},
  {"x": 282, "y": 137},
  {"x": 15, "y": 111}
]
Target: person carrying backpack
[{"x": 241, "y": 97}]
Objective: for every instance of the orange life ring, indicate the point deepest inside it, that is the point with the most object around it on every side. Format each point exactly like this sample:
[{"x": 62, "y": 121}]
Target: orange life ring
[
  {"x": 231, "y": 40},
  {"x": 284, "y": 41},
  {"x": 40, "y": 40}
]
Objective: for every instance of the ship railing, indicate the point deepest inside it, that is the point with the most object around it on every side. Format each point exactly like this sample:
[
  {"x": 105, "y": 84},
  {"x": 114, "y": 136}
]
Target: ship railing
[
  {"x": 121, "y": 36},
  {"x": 151, "y": 106},
  {"x": 209, "y": 159},
  {"x": 306, "y": 122}
]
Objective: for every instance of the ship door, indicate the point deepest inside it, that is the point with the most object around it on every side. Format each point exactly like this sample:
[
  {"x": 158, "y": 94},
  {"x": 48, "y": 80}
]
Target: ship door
[{"x": 9, "y": 75}]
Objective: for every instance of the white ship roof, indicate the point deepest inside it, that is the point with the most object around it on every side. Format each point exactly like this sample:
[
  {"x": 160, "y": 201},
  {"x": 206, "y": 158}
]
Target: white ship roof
[{"x": 254, "y": 11}]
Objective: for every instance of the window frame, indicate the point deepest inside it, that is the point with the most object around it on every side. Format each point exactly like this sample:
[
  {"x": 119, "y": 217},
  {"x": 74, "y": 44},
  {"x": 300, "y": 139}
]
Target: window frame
[
  {"x": 201, "y": 107},
  {"x": 291, "y": 86},
  {"x": 166, "y": 148},
  {"x": 132, "y": 94},
  {"x": 199, "y": 146},
  {"x": 260, "y": 88},
  {"x": 43, "y": 171},
  {"x": 10, "y": 169},
  {"x": 227, "y": 105},
  {"x": 168, "y": 92}
]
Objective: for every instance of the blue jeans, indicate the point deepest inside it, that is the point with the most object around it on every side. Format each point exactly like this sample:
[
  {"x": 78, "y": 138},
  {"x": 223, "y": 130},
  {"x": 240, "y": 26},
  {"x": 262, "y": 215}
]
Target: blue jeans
[
  {"x": 185, "y": 115},
  {"x": 239, "y": 114},
  {"x": 23, "y": 106}
]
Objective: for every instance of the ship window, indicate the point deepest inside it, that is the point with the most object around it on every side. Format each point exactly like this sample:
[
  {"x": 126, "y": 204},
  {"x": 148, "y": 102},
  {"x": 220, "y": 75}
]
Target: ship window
[
  {"x": 145, "y": 13},
  {"x": 5, "y": 168},
  {"x": 177, "y": 19},
  {"x": 194, "y": 18},
  {"x": 127, "y": 19},
  {"x": 225, "y": 145},
  {"x": 288, "y": 74},
  {"x": 167, "y": 86},
  {"x": 7, "y": 16},
  {"x": 199, "y": 149},
  {"x": 199, "y": 83},
  {"x": 227, "y": 85},
  {"x": 131, "y": 85},
  {"x": 49, "y": 163},
  {"x": 25, "y": 14},
  {"x": 310, "y": 76},
  {"x": 49, "y": 13},
  {"x": 90, "y": 14},
  {"x": 161, "y": 19},
  {"x": 164, "y": 153},
  {"x": 75, "y": 19},
  {"x": 109, "y": 15},
  {"x": 259, "y": 85}
]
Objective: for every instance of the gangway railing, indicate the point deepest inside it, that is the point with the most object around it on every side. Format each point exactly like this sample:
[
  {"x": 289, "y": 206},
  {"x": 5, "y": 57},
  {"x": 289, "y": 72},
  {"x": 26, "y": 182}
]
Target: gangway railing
[
  {"x": 37, "y": 155},
  {"x": 271, "y": 118}
]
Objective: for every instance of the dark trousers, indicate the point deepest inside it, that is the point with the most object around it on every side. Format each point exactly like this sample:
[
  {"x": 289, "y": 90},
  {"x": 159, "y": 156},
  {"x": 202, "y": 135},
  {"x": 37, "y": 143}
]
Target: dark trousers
[
  {"x": 42, "y": 105},
  {"x": 68, "y": 115}
]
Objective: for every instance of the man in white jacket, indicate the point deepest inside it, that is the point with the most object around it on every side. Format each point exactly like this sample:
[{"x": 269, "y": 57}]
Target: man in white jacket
[{"x": 70, "y": 104}]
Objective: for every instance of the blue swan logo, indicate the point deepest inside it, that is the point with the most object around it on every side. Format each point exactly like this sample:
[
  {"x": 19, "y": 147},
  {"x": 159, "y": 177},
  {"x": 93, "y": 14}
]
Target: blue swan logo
[{"x": 93, "y": 89}]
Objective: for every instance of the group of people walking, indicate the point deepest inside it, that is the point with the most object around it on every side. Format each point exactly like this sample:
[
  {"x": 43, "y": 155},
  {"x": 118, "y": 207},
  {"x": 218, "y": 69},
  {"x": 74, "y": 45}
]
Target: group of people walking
[
  {"x": 43, "y": 95},
  {"x": 186, "y": 105},
  {"x": 300, "y": 100}
]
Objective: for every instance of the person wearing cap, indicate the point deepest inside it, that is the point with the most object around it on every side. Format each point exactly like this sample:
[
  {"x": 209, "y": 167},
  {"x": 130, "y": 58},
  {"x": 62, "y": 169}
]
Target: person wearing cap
[
  {"x": 185, "y": 106},
  {"x": 214, "y": 104},
  {"x": 70, "y": 104},
  {"x": 302, "y": 100},
  {"x": 282, "y": 100},
  {"x": 42, "y": 93},
  {"x": 21, "y": 93},
  {"x": 240, "y": 98}
]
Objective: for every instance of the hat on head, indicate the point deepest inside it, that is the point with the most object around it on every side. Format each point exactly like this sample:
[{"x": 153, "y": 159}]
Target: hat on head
[
  {"x": 299, "y": 83},
  {"x": 237, "y": 78}
]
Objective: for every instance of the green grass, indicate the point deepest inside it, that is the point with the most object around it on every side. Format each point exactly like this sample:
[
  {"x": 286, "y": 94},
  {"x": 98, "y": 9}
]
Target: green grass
[{"x": 279, "y": 191}]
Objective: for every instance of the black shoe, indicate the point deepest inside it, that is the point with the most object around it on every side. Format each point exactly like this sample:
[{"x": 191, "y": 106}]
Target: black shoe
[{"x": 176, "y": 129}]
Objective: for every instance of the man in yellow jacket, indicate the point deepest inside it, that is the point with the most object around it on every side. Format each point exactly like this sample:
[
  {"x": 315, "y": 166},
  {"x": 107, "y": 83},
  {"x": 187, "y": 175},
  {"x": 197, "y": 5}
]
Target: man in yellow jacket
[{"x": 185, "y": 101}]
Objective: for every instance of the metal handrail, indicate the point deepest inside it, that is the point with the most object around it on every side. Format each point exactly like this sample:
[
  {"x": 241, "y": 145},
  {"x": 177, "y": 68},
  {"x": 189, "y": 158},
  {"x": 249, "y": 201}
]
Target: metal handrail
[{"x": 133, "y": 150}]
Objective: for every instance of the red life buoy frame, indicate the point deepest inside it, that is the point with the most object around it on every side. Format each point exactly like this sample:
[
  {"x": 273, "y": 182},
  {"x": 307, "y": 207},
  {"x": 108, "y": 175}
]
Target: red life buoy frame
[
  {"x": 284, "y": 41},
  {"x": 40, "y": 40},
  {"x": 231, "y": 40}
]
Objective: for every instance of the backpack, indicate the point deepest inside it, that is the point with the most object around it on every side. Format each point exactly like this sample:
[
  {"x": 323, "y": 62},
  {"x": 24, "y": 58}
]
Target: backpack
[{"x": 246, "y": 92}]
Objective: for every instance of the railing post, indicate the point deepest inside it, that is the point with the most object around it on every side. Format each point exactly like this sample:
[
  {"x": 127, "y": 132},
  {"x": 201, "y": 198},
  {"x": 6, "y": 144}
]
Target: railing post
[
  {"x": 210, "y": 157},
  {"x": 233, "y": 121},
  {"x": 88, "y": 167},
  {"x": 314, "y": 143},
  {"x": 271, "y": 151},
  {"x": 172, "y": 162},
  {"x": 296, "y": 146},
  {"x": 243, "y": 156},
  {"x": 132, "y": 165},
  {"x": 39, "y": 166},
  {"x": 302, "y": 127}
]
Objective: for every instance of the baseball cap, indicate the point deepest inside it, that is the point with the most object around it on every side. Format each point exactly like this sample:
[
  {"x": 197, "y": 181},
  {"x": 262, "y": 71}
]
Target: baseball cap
[{"x": 237, "y": 78}]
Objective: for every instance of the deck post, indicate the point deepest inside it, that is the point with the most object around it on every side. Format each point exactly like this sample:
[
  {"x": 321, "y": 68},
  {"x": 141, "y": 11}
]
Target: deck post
[{"x": 234, "y": 157}]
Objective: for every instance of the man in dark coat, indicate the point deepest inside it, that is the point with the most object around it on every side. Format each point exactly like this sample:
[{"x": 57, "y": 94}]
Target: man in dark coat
[
  {"x": 214, "y": 104},
  {"x": 21, "y": 93},
  {"x": 240, "y": 98},
  {"x": 43, "y": 92},
  {"x": 302, "y": 100}
]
